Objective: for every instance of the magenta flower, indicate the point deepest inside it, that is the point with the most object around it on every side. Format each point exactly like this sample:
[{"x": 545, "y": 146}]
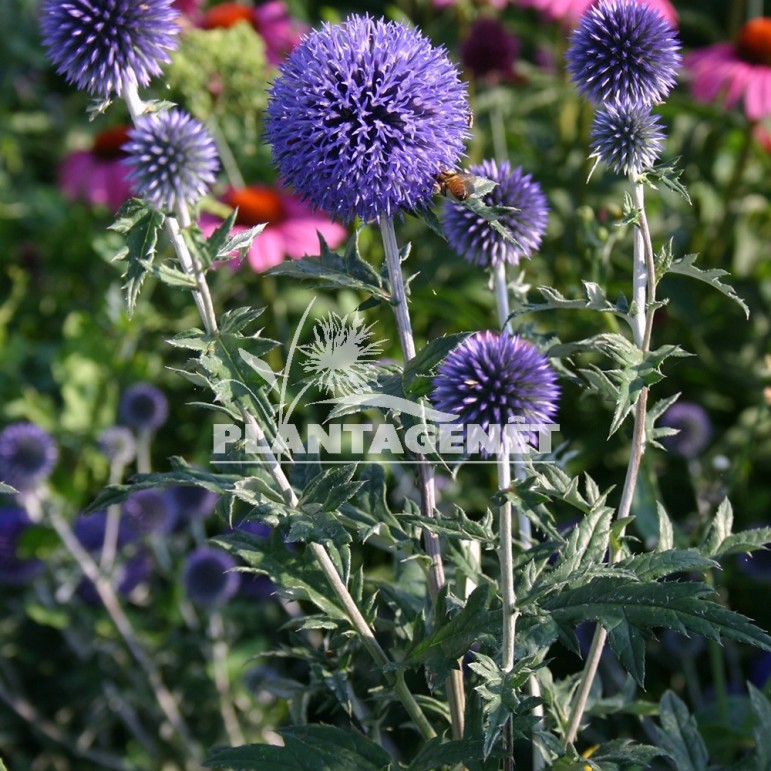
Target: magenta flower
[
  {"x": 292, "y": 225},
  {"x": 570, "y": 11},
  {"x": 271, "y": 21},
  {"x": 736, "y": 71},
  {"x": 98, "y": 176}
]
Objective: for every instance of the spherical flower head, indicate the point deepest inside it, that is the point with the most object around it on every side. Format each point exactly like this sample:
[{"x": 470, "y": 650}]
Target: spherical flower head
[
  {"x": 27, "y": 456},
  {"x": 192, "y": 502},
  {"x": 362, "y": 117},
  {"x": 623, "y": 50},
  {"x": 627, "y": 137},
  {"x": 143, "y": 407},
  {"x": 90, "y": 530},
  {"x": 15, "y": 570},
  {"x": 150, "y": 511},
  {"x": 206, "y": 577},
  {"x": 472, "y": 237},
  {"x": 173, "y": 159},
  {"x": 694, "y": 426},
  {"x": 493, "y": 380},
  {"x": 118, "y": 444},
  {"x": 107, "y": 46}
]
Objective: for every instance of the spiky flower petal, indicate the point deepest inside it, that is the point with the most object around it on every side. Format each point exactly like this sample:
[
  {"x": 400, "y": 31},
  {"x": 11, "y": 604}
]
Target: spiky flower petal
[
  {"x": 27, "y": 456},
  {"x": 362, "y": 117},
  {"x": 105, "y": 46},
  {"x": 627, "y": 137},
  {"x": 495, "y": 380},
  {"x": 622, "y": 49},
  {"x": 173, "y": 159},
  {"x": 473, "y": 238}
]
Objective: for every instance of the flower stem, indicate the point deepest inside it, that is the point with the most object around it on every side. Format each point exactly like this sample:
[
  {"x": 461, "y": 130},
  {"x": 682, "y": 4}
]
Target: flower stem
[
  {"x": 114, "y": 609},
  {"x": 219, "y": 654},
  {"x": 436, "y": 576},
  {"x": 644, "y": 276}
]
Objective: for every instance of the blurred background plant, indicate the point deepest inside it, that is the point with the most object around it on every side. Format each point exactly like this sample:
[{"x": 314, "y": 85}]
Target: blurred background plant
[{"x": 71, "y": 357}]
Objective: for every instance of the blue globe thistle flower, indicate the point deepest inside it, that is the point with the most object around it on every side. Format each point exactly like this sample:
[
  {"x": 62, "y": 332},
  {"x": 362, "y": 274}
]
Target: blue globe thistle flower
[
  {"x": 473, "y": 238},
  {"x": 173, "y": 159},
  {"x": 192, "y": 502},
  {"x": 90, "y": 530},
  {"x": 627, "y": 137},
  {"x": 15, "y": 570},
  {"x": 362, "y": 117},
  {"x": 491, "y": 379},
  {"x": 694, "y": 426},
  {"x": 623, "y": 49},
  {"x": 118, "y": 444},
  {"x": 105, "y": 46},
  {"x": 206, "y": 577},
  {"x": 150, "y": 511},
  {"x": 128, "y": 575},
  {"x": 143, "y": 407},
  {"x": 27, "y": 456}
]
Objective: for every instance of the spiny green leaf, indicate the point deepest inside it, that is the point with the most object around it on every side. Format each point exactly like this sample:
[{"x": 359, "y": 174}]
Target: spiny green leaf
[
  {"x": 679, "y": 735},
  {"x": 666, "y": 533},
  {"x": 454, "y": 524},
  {"x": 682, "y": 606},
  {"x": 441, "y": 649},
  {"x": 761, "y": 707},
  {"x": 652, "y": 565},
  {"x": 744, "y": 542},
  {"x": 439, "y": 752},
  {"x": 626, "y": 753},
  {"x": 295, "y": 574},
  {"x": 140, "y": 225},
  {"x": 720, "y": 528},
  {"x": 593, "y": 299},
  {"x": 306, "y": 748},
  {"x": 417, "y": 372},
  {"x": 711, "y": 276},
  {"x": 330, "y": 270},
  {"x": 331, "y": 488}
]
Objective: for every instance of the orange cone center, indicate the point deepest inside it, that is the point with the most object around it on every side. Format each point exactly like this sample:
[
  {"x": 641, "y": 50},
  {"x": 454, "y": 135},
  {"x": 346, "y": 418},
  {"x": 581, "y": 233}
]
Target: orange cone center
[
  {"x": 255, "y": 205},
  {"x": 226, "y": 15},
  {"x": 754, "y": 43},
  {"x": 109, "y": 143}
]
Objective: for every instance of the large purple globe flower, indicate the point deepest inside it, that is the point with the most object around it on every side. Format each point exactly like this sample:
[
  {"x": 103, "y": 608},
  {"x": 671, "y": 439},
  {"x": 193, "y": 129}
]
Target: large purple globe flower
[
  {"x": 173, "y": 159},
  {"x": 27, "y": 456},
  {"x": 622, "y": 49},
  {"x": 494, "y": 380},
  {"x": 472, "y": 237},
  {"x": 694, "y": 426},
  {"x": 362, "y": 117},
  {"x": 106, "y": 46}
]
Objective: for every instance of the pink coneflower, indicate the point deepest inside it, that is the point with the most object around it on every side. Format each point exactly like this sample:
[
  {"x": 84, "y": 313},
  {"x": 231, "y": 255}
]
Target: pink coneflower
[
  {"x": 292, "y": 225},
  {"x": 98, "y": 176},
  {"x": 271, "y": 20},
  {"x": 740, "y": 70},
  {"x": 570, "y": 11}
]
